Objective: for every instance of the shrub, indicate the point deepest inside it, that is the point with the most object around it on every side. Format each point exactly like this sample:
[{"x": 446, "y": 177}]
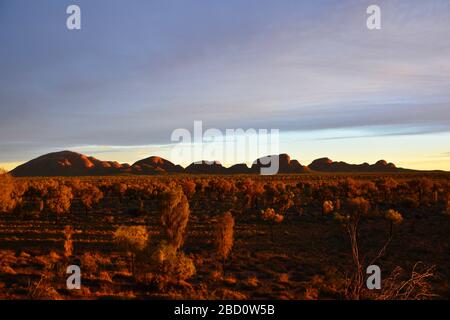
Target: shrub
[
  {"x": 6, "y": 192},
  {"x": 394, "y": 217},
  {"x": 271, "y": 217},
  {"x": 327, "y": 207},
  {"x": 416, "y": 286},
  {"x": 58, "y": 200},
  {"x": 356, "y": 208},
  {"x": 132, "y": 240},
  {"x": 169, "y": 264},
  {"x": 174, "y": 217},
  {"x": 89, "y": 263},
  {"x": 224, "y": 236},
  {"x": 188, "y": 187},
  {"x": 90, "y": 195},
  {"x": 33, "y": 200},
  {"x": 68, "y": 244},
  {"x": 386, "y": 185}
]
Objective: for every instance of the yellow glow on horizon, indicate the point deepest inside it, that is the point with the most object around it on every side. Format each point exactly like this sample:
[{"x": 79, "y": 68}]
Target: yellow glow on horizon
[{"x": 8, "y": 166}]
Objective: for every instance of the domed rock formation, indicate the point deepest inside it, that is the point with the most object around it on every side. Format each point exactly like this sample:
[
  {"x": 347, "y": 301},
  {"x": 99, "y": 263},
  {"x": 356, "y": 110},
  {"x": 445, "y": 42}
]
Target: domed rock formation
[
  {"x": 66, "y": 163},
  {"x": 240, "y": 168},
  {"x": 327, "y": 165},
  {"x": 285, "y": 164},
  {"x": 155, "y": 165},
  {"x": 205, "y": 167}
]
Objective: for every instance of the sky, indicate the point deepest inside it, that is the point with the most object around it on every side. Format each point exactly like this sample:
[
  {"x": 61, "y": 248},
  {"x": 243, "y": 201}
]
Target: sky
[{"x": 138, "y": 70}]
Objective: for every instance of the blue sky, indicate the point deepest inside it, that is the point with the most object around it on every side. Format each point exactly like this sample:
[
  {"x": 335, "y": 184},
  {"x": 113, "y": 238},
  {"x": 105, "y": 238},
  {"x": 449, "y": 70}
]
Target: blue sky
[{"x": 137, "y": 70}]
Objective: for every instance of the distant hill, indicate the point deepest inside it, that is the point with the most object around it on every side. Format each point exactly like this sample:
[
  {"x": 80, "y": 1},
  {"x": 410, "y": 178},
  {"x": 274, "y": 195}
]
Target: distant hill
[
  {"x": 327, "y": 165},
  {"x": 68, "y": 163},
  {"x": 206, "y": 167},
  {"x": 285, "y": 165},
  {"x": 240, "y": 168},
  {"x": 154, "y": 165}
]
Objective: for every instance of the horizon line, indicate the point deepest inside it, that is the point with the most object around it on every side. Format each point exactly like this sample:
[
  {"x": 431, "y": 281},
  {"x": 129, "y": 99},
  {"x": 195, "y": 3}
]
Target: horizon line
[{"x": 223, "y": 165}]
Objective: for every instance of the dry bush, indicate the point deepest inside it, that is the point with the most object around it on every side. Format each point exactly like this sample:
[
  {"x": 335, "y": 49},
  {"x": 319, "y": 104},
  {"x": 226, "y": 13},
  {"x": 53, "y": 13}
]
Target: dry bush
[
  {"x": 89, "y": 263},
  {"x": 59, "y": 199},
  {"x": 7, "y": 259},
  {"x": 423, "y": 187},
  {"x": 416, "y": 286},
  {"x": 311, "y": 293},
  {"x": 331, "y": 285},
  {"x": 283, "y": 278},
  {"x": 168, "y": 265},
  {"x": 215, "y": 275},
  {"x": 43, "y": 290},
  {"x": 327, "y": 207},
  {"x": 33, "y": 200},
  {"x": 271, "y": 217},
  {"x": 7, "y": 202},
  {"x": 89, "y": 195},
  {"x": 358, "y": 208},
  {"x": 230, "y": 280},
  {"x": 165, "y": 263},
  {"x": 224, "y": 236},
  {"x": 68, "y": 244},
  {"x": 174, "y": 217},
  {"x": 386, "y": 186},
  {"x": 395, "y": 218},
  {"x": 227, "y": 294},
  {"x": 188, "y": 187},
  {"x": 92, "y": 262},
  {"x": 105, "y": 276},
  {"x": 251, "y": 282},
  {"x": 132, "y": 240}
]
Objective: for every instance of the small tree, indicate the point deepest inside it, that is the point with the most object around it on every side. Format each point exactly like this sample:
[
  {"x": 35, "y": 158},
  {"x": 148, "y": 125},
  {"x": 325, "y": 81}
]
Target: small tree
[
  {"x": 356, "y": 208},
  {"x": 188, "y": 187},
  {"x": 167, "y": 262},
  {"x": 174, "y": 217},
  {"x": 424, "y": 187},
  {"x": 386, "y": 185},
  {"x": 90, "y": 195},
  {"x": 34, "y": 200},
  {"x": 327, "y": 207},
  {"x": 131, "y": 240},
  {"x": 395, "y": 218},
  {"x": 58, "y": 200},
  {"x": 271, "y": 217},
  {"x": 224, "y": 236}
]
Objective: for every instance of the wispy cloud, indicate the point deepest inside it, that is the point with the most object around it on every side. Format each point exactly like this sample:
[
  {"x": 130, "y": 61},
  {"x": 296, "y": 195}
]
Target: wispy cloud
[{"x": 137, "y": 71}]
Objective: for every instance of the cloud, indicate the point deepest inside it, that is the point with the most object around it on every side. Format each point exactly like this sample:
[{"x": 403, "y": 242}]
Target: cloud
[{"x": 136, "y": 72}]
